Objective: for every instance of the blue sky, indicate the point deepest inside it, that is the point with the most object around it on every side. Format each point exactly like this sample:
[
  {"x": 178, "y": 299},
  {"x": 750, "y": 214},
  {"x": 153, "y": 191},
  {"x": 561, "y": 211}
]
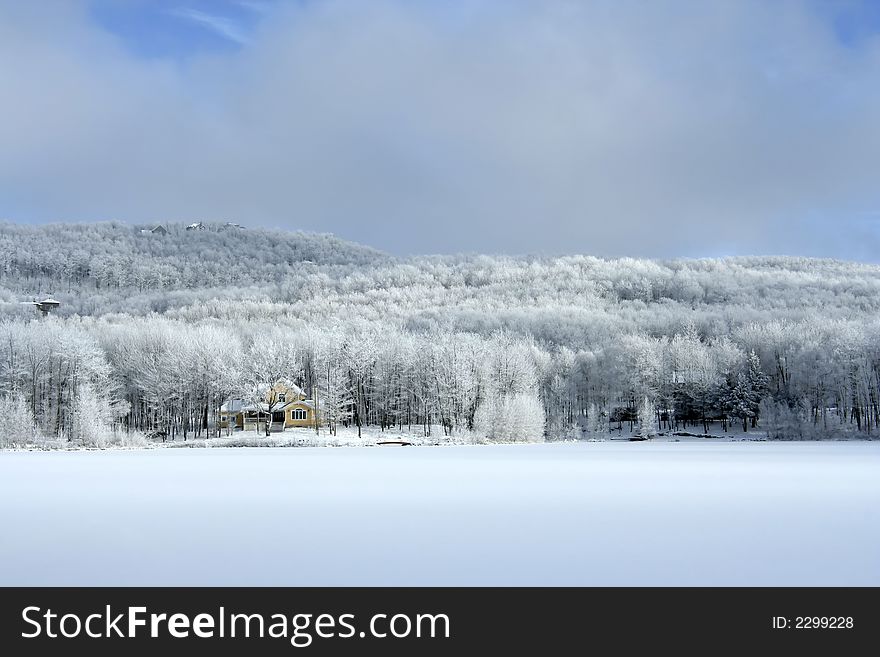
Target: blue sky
[
  {"x": 617, "y": 128},
  {"x": 179, "y": 28},
  {"x": 853, "y": 22}
]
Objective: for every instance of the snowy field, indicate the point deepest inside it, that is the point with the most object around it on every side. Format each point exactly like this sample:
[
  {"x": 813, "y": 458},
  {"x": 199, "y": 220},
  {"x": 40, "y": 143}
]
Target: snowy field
[{"x": 613, "y": 513}]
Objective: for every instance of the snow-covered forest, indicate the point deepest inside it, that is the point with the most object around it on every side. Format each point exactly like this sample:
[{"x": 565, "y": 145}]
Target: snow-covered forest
[{"x": 155, "y": 331}]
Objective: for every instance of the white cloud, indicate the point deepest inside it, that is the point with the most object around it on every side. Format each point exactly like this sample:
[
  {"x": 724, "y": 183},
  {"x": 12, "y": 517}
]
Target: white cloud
[
  {"x": 221, "y": 25},
  {"x": 610, "y": 128},
  {"x": 257, "y": 6}
]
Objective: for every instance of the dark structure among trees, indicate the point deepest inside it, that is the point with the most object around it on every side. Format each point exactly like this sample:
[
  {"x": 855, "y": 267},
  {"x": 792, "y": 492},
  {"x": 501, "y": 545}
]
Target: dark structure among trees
[{"x": 46, "y": 306}]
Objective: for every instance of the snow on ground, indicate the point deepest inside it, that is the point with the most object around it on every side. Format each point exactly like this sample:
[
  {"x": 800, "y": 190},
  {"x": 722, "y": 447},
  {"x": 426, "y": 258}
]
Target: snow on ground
[
  {"x": 371, "y": 436},
  {"x": 606, "y": 513},
  {"x": 344, "y": 437}
]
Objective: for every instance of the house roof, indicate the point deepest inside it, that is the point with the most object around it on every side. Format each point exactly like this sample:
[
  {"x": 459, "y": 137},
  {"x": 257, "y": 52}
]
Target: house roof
[
  {"x": 299, "y": 402},
  {"x": 295, "y": 389},
  {"x": 263, "y": 407},
  {"x": 232, "y": 406}
]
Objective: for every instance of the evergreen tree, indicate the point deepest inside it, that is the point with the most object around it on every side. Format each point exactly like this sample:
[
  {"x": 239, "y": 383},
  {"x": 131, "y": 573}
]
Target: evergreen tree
[{"x": 744, "y": 397}]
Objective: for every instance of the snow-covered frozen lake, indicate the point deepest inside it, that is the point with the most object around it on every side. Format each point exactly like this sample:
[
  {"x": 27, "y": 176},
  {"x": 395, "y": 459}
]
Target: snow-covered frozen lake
[{"x": 611, "y": 513}]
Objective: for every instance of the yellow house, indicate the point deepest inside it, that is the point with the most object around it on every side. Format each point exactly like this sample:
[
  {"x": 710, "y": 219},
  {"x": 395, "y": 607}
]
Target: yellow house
[{"x": 283, "y": 402}]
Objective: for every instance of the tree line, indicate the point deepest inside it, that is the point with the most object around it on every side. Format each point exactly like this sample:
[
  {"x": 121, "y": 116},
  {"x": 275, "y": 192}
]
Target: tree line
[
  {"x": 493, "y": 347},
  {"x": 87, "y": 380}
]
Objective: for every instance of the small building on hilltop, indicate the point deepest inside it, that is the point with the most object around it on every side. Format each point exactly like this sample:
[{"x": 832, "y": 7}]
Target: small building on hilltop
[
  {"x": 47, "y": 305},
  {"x": 158, "y": 230},
  {"x": 44, "y": 307},
  {"x": 197, "y": 226}
]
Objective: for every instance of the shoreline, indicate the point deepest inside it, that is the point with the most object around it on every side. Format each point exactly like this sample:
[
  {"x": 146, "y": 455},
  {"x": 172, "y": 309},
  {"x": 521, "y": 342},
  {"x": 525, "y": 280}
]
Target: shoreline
[{"x": 214, "y": 443}]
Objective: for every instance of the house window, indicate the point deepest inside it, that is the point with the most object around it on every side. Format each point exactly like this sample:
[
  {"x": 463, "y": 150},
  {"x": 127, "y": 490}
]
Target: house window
[
  {"x": 282, "y": 397},
  {"x": 223, "y": 418},
  {"x": 298, "y": 414}
]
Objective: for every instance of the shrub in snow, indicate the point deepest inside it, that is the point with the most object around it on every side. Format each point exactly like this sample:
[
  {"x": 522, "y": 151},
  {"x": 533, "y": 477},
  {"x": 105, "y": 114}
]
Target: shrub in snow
[
  {"x": 91, "y": 419},
  {"x": 596, "y": 422},
  {"x": 129, "y": 438},
  {"x": 20, "y": 426},
  {"x": 783, "y": 421},
  {"x": 510, "y": 419},
  {"x": 647, "y": 417}
]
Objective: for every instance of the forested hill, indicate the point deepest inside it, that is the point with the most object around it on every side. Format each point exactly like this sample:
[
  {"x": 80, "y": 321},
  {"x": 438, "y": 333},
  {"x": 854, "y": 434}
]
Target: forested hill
[
  {"x": 227, "y": 272},
  {"x": 155, "y": 331},
  {"x": 112, "y": 266}
]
